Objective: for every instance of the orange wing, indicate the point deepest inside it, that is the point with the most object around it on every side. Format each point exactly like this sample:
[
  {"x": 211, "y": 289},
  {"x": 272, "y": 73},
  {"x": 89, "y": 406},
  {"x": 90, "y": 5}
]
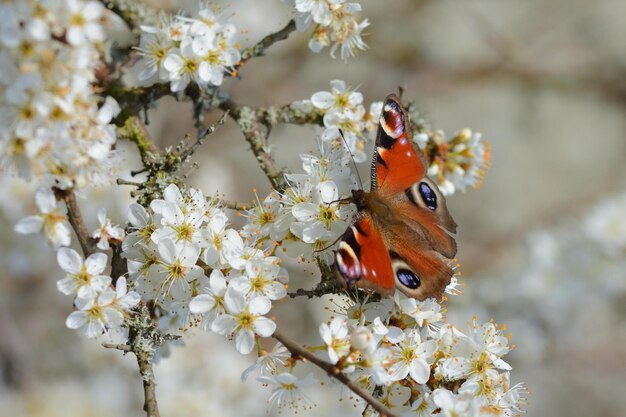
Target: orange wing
[
  {"x": 363, "y": 258},
  {"x": 418, "y": 271},
  {"x": 397, "y": 164}
]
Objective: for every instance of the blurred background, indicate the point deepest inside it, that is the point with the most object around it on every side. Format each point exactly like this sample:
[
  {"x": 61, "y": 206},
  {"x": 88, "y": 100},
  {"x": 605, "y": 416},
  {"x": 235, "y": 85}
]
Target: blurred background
[{"x": 542, "y": 243}]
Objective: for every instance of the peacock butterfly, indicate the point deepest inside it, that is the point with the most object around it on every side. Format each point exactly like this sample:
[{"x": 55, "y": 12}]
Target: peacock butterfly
[{"x": 400, "y": 237}]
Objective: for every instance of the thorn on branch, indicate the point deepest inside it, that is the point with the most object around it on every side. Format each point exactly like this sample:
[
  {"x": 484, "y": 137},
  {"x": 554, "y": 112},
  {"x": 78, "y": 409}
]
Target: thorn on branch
[
  {"x": 123, "y": 347},
  {"x": 121, "y": 181}
]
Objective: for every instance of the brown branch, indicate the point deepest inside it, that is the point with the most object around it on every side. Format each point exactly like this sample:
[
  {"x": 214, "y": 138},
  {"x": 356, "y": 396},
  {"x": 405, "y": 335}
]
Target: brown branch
[
  {"x": 123, "y": 347},
  {"x": 256, "y": 134},
  {"x": 75, "y": 218},
  {"x": 150, "y": 406},
  {"x": 259, "y": 48},
  {"x": 135, "y": 131},
  {"x": 335, "y": 372},
  {"x": 202, "y": 136}
]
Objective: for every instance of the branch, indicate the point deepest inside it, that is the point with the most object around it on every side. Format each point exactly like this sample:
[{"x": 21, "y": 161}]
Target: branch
[
  {"x": 256, "y": 134},
  {"x": 208, "y": 131},
  {"x": 329, "y": 284},
  {"x": 150, "y": 406},
  {"x": 334, "y": 372},
  {"x": 259, "y": 48},
  {"x": 124, "y": 348},
  {"x": 75, "y": 217},
  {"x": 135, "y": 131}
]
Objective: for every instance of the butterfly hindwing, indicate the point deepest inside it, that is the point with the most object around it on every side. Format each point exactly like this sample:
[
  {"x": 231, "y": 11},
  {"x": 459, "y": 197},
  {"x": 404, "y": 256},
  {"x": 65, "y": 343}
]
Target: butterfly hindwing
[{"x": 363, "y": 258}]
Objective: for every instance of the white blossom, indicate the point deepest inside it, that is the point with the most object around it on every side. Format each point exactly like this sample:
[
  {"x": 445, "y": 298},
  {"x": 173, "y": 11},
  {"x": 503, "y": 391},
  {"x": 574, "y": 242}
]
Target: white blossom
[
  {"x": 243, "y": 321},
  {"x": 50, "y": 220},
  {"x": 84, "y": 277},
  {"x": 336, "y": 338},
  {"x": 106, "y": 231},
  {"x": 287, "y": 391}
]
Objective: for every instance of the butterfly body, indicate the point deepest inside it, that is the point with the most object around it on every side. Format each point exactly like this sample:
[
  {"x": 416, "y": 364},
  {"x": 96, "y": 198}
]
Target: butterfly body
[{"x": 400, "y": 238}]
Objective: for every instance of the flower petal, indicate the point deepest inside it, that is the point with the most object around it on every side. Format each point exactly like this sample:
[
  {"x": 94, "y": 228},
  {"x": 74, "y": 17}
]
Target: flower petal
[
  {"x": 69, "y": 260},
  {"x": 264, "y": 327}
]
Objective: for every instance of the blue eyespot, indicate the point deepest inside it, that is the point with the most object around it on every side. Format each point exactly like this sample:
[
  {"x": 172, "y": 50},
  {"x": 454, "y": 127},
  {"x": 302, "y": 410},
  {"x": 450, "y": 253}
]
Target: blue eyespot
[
  {"x": 408, "y": 278},
  {"x": 428, "y": 196}
]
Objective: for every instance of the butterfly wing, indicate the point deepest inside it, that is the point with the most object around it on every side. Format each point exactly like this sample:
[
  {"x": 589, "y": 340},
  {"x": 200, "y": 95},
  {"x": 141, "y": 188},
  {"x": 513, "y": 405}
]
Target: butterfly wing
[
  {"x": 363, "y": 258},
  {"x": 407, "y": 220},
  {"x": 396, "y": 164}
]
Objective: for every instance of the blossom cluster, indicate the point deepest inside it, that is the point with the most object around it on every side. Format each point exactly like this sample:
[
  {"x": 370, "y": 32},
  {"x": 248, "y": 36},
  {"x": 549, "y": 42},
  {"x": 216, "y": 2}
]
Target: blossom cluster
[
  {"x": 100, "y": 308},
  {"x": 456, "y": 163},
  {"x": 421, "y": 364},
  {"x": 54, "y": 126},
  {"x": 182, "y": 49},
  {"x": 343, "y": 110},
  {"x": 307, "y": 219},
  {"x": 335, "y": 25},
  {"x": 172, "y": 247}
]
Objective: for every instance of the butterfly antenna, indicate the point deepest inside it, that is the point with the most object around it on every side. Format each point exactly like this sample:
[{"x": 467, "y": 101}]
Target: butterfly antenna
[{"x": 343, "y": 138}]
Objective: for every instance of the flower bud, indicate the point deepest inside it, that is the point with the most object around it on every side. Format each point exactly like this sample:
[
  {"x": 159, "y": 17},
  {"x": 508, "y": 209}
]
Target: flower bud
[{"x": 362, "y": 339}]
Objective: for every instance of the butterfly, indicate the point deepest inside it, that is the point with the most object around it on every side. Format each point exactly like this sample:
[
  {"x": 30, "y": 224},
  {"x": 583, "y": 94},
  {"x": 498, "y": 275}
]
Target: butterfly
[{"x": 401, "y": 236}]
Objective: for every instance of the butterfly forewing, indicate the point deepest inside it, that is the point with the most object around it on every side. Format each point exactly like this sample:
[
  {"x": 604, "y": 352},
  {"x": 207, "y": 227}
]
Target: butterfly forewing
[{"x": 396, "y": 165}]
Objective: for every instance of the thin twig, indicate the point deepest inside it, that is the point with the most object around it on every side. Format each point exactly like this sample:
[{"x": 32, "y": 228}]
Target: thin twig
[
  {"x": 299, "y": 351},
  {"x": 324, "y": 287},
  {"x": 255, "y": 134},
  {"x": 75, "y": 217},
  {"x": 121, "y": 181},
  {"x": 259, "y": 48},
  {"x": 122, "y": 347},
  {"x": 208, "y": 131}
]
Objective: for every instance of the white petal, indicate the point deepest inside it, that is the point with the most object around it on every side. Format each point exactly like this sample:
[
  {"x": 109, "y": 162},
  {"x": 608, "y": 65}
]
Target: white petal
[
  {"x": 28, "y": 225},
  {"x": 172, "y": 194},
  {"x": 108, "y": 111},
  {"x": 419, "y": 371},
  {"x": 45, "y": 200},
  {"x": 217, "y": 282},
  {"x": 338, "y": 85},
  {"x": 224, "y": 325},
  {"x": 260, "y": 305},
  {"x": 244, "y": 341},
  {"x": 96, "y": 263},
  {"x": 76, "y": 319},
  {"x": 234, "y": 302},
  {"x": 173, "y": 62},
  {"x": 264, "y": 327},
  {"x": 121, "y": 287},
  {"x": 167, "y": 251},
  {"x": 304, "y": 211},
  {"x": 323, "y": 100},
  {"x": 130, "y": 300},
  {"x": 189, "y": 254},
  {"x": 69, "y": 260},
  {"x": 66, "y": 286},
  {"x": 202, "y": 303}
]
